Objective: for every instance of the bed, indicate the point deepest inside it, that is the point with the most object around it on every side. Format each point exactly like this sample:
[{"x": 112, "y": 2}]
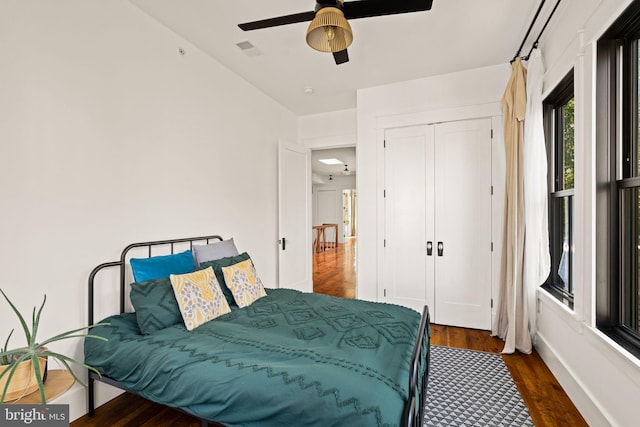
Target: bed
[{"x": 288, "y": 358}]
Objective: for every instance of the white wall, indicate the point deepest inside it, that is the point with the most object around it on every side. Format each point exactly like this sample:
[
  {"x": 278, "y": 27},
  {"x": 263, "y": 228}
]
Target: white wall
[
  {"x": 109, "y": 136},
  {"x": 328, "y": 130},
  {"x": 456, "y": 96},
  {"x": 601, "y": 378}
]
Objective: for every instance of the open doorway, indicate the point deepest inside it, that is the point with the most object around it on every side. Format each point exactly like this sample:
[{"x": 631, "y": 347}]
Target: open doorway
[{"x": 334, "y": 207}]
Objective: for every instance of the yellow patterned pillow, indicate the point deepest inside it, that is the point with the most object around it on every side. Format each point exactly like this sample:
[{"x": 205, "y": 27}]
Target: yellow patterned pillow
[
  {"x": 199, "y": 297},
  {"x": 244, "y": 283}
]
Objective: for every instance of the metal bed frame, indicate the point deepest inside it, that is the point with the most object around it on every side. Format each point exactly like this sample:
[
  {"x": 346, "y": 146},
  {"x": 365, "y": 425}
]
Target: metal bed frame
[{"x": 414, "y": 408}]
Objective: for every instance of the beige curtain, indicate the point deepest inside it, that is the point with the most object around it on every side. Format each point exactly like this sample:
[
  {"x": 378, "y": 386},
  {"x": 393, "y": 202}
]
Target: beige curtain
[{"x": 511, "y": 321}]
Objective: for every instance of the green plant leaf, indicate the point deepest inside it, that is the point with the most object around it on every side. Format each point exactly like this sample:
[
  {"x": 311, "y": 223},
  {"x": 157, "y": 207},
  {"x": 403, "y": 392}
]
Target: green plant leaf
[
  {"x": 36, "y": 320},
  {"x": 35, "y": 362},
  {"x": 10, "y": 371},
  {"x": 27, "y": 334},
  {"x": 70, "y": 334},
  {"x": 14, "y": 352},
  {"x": 4, "y": 360},
  {"x": 65, "y": 360}
]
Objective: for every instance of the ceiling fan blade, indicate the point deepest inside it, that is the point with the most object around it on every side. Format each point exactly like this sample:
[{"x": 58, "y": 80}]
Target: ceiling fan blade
[
  {"x": 341, "y": 57},
  {"x": 369, "y": 8},
  {"x": 280, "y": 20}
]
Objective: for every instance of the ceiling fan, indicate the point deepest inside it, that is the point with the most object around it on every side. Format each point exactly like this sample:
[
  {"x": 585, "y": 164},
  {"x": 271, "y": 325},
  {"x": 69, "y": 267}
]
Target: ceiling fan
[{"x": 329, "y": 30}]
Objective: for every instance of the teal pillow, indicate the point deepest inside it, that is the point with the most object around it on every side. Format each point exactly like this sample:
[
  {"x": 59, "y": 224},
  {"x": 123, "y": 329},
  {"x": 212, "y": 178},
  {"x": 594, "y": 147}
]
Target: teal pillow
[
  {"x": 217, "y": 268},
  {"x": 155, "y": 304},
  {"x": 161, "y": 266}
]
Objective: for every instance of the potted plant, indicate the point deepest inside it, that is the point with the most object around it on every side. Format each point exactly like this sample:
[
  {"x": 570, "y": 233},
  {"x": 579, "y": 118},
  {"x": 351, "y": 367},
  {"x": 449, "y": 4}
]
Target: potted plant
[{"x": 21, "y": 367}]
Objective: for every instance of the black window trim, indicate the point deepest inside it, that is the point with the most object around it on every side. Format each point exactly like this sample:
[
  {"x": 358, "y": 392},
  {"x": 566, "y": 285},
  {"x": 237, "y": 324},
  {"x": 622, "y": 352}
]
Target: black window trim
[
  {"x": 621, "y": 38},
  {"x": 563, "y": 93}
]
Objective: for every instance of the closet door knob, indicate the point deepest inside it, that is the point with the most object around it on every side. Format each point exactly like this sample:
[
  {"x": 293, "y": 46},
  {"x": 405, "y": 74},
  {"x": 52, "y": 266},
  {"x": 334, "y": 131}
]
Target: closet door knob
[
  {"x": 429, "y": 248},
  {"x": 440, "y": 248}
]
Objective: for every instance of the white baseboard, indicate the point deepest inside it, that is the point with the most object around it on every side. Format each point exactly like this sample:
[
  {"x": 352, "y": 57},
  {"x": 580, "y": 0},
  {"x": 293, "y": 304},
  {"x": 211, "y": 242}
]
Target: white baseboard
[
  {"x": 579, "y": 395},
  {"x": 76, "y": 398}
]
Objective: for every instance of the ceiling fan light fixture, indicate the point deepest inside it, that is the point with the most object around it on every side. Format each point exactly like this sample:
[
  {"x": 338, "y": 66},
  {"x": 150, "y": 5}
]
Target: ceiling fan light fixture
[{"x": 329, "y": 31}]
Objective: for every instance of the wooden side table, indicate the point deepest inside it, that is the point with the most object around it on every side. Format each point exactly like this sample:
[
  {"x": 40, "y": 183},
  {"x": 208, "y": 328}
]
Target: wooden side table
[
  {"x": 58, "y": 381},
  {"x": 334, "y": 243}
]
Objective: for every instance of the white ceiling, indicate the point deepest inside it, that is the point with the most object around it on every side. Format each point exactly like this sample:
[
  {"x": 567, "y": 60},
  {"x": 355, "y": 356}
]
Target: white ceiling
[
  {"x": 454, "y": 35},
  {"x": 346, "y": 155}
]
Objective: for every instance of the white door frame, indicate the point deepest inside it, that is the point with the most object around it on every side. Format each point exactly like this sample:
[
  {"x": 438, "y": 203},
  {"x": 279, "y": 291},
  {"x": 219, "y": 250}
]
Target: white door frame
[{"x": 333, "y": 142}]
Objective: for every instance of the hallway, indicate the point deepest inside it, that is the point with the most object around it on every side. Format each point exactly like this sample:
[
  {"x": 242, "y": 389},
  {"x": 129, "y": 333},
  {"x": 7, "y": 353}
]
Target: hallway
[{"x": 334, "y": 270}]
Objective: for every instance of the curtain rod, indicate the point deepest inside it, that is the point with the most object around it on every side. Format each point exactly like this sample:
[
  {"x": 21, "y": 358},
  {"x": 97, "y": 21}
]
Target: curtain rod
[
  {"x": 535, "y": 43},
  {"x": 535, "y": 18}
]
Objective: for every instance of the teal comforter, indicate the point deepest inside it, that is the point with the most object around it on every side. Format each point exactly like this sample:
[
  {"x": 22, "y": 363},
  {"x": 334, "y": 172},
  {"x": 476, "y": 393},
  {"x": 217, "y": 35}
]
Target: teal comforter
[{"x": 290, "y": 359}]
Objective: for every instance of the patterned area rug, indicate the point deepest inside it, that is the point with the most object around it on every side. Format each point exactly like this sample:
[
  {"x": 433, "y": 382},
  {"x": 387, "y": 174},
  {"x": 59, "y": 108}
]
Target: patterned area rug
[{"x": 472, "y": 388}]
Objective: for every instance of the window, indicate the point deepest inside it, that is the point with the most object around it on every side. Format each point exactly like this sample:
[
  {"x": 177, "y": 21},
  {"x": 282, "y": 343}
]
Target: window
[
  {"x": 559, "y": 129},
  {"x": 618, "y": 181}
]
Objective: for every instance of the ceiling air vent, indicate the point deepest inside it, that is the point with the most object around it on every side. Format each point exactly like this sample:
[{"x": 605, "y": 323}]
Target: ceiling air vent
[{"x": 249, "y": 49}]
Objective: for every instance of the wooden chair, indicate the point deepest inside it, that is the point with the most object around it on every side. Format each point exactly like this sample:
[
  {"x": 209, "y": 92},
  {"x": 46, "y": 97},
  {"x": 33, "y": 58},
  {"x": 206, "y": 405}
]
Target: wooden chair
[
  {"x": 319, "y": 241},
  {"x": 334, "y": 243}
]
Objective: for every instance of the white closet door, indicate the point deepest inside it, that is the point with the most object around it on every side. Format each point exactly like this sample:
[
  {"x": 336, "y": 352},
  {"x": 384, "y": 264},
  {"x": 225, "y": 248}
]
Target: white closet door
[
  {"x": 463, "y": 224},
  {"x": 407, "y": 276}
]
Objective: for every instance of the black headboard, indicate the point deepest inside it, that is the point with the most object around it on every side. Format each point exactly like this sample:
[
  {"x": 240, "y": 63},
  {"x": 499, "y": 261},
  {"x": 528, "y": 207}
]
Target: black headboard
[{"x": 121, "y": 264}]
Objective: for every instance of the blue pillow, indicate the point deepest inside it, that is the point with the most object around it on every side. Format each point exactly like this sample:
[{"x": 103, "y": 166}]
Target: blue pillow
[{"x": 161, "y": 266}]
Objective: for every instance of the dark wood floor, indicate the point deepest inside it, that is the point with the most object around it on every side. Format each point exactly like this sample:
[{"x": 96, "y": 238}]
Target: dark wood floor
[{"x": 334, "y": 274}]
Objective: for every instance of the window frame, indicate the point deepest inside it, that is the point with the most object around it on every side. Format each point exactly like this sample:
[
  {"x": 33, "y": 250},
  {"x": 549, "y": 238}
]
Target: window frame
[
  {"x": 617, "y": 170},
  {"x": 554, "y": 133}
]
